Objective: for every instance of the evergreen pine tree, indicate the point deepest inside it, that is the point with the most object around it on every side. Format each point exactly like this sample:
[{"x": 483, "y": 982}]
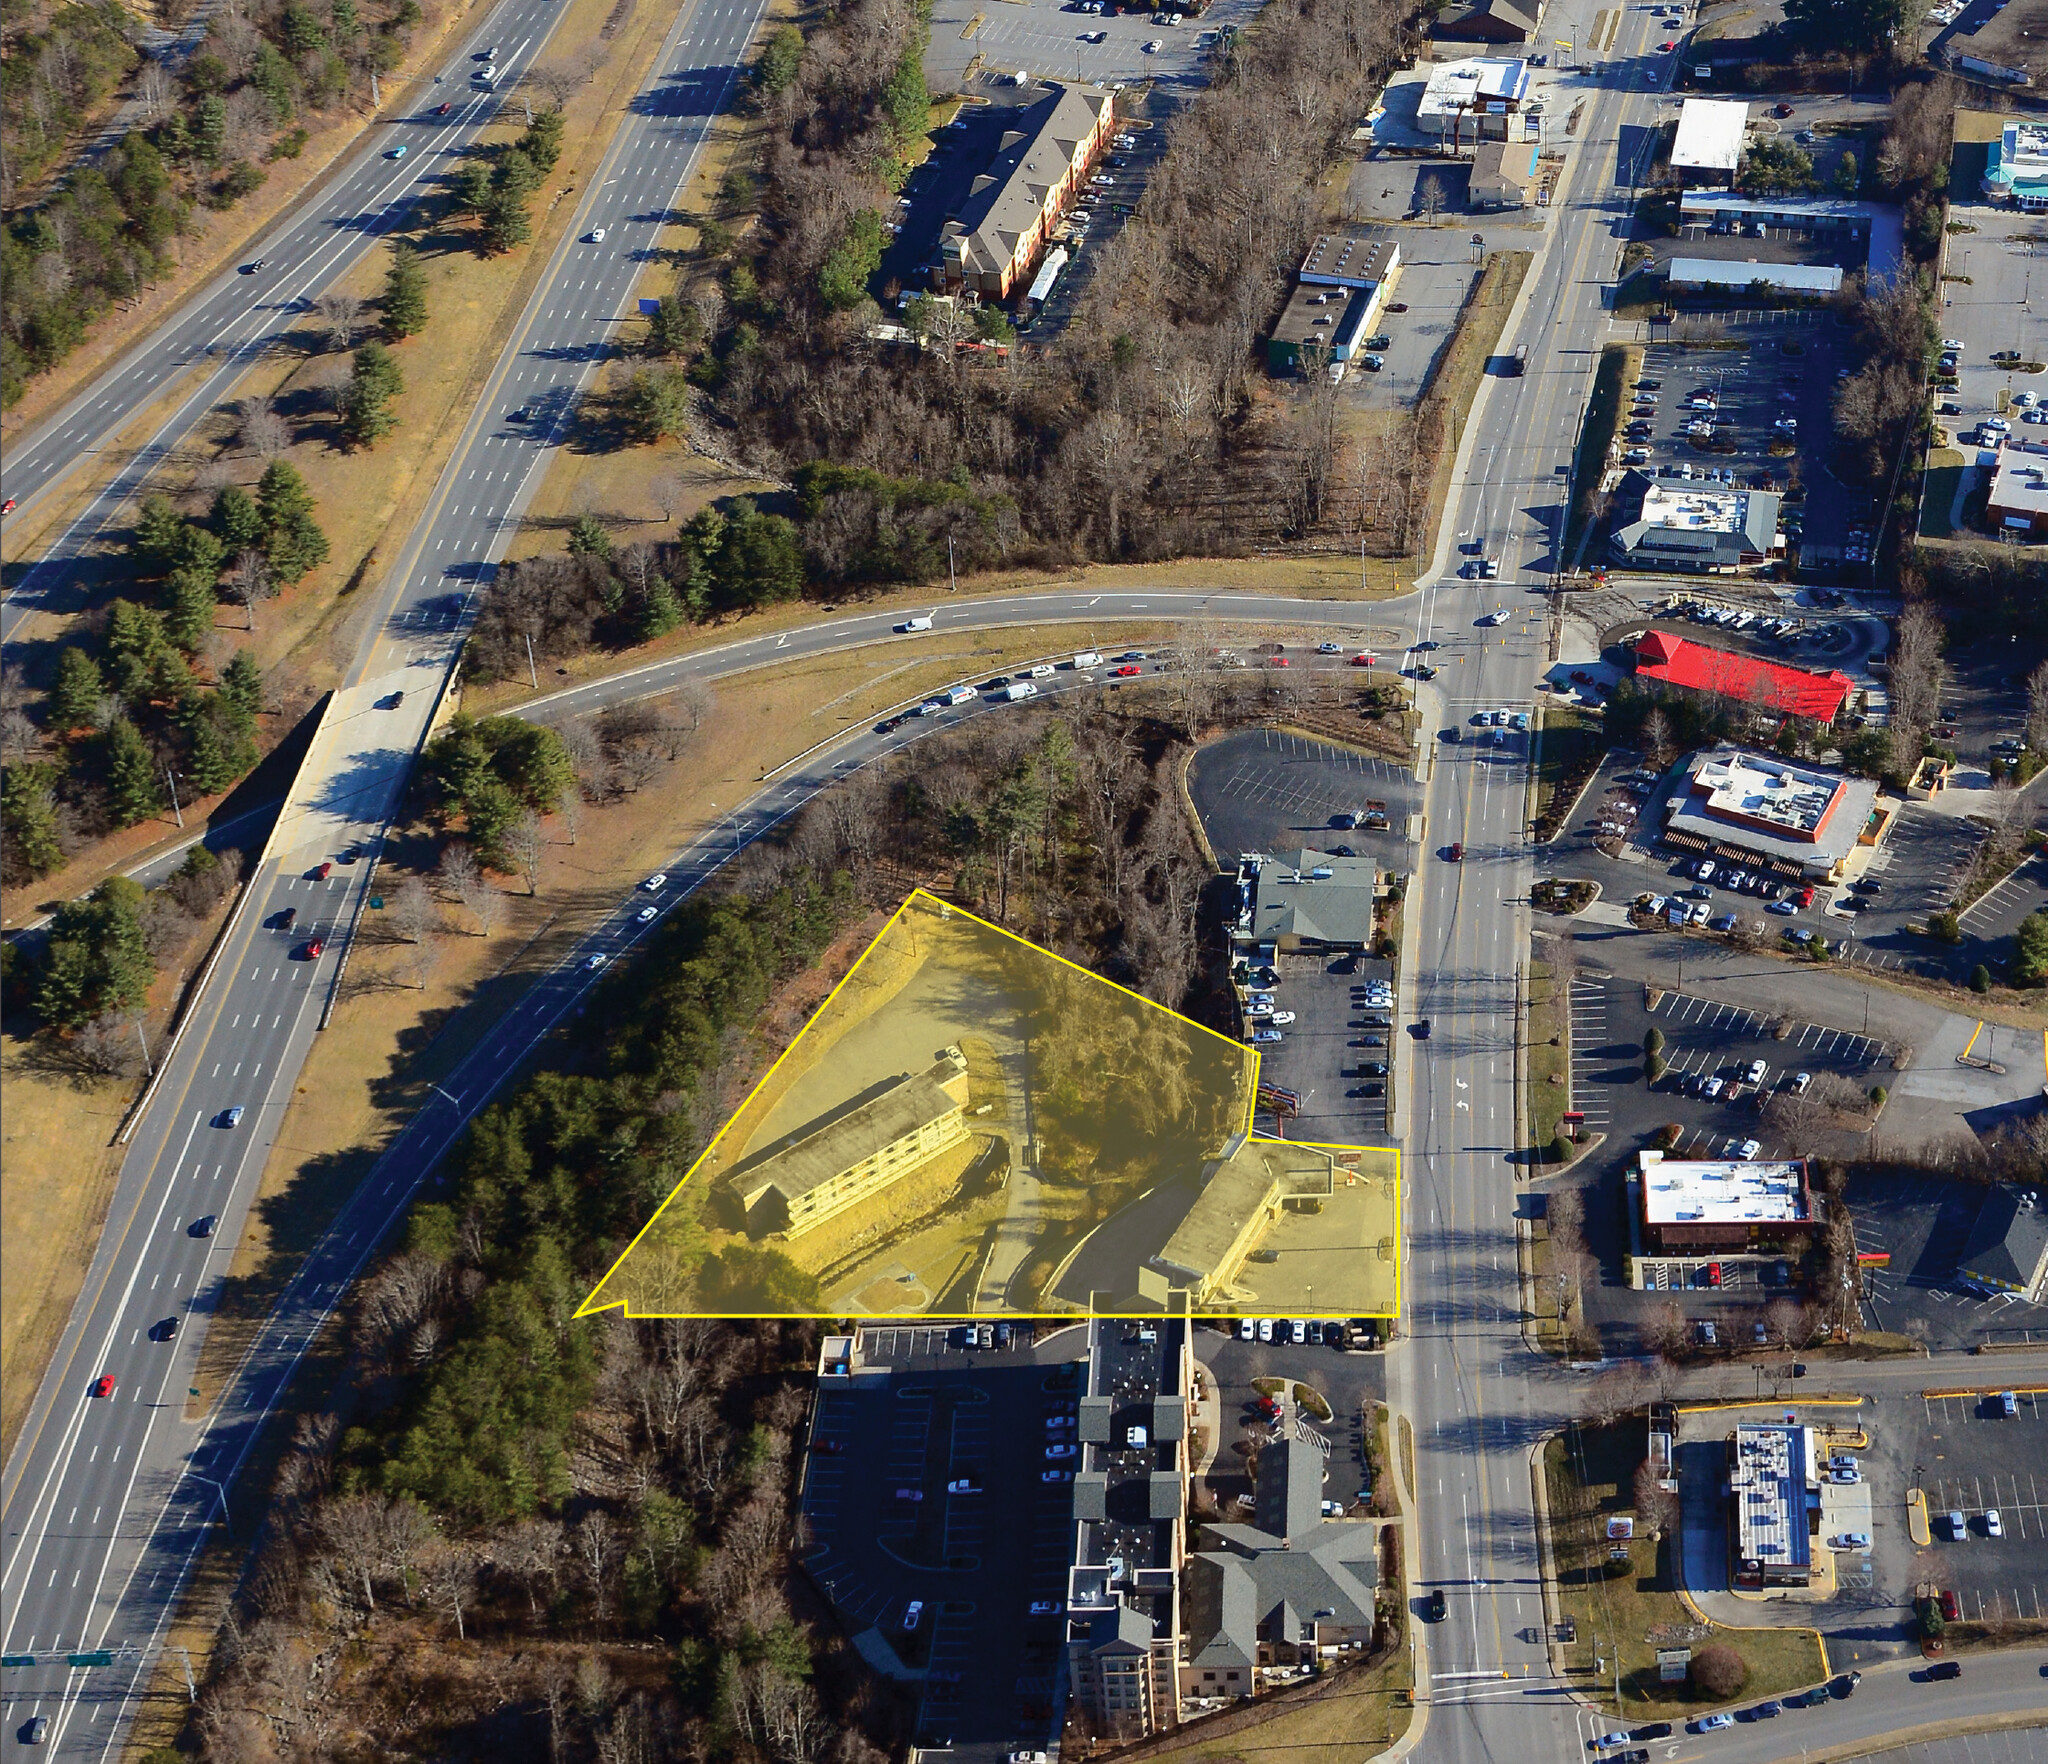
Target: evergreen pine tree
[
  {"x": 241, "y": 683},
  {"x": 405, "y": 294},
  {"x": 75, "y": 697},
  {"x": 237, "y": 521},
  {"x": 134, "y": 786},
  {"x": 281, "y": 493},
  {"x": 296, "y": 547},
  {"x": 136, "y": 648},
  {"x": 208, "y": 768},
  {"x": 190, "y": 597},
  {"x": 28, "y": 818},
  {"x": 157, "y": 529}
]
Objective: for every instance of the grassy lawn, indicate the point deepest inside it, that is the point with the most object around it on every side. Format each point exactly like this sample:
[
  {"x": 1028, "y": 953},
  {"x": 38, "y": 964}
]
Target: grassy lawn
[
  {"x": 1448, "y": 399},
  {"x": 1550, "y": 1052},
  {"x": 1620, "y": 363},
  {"x": 1588, "y": 1475},
  {"x": 1944, "y": 472},
  {"x": 1358, "y": 1715},
  {"x": 407, "y": 1021},
  {"x": 1569, "y": 743}
]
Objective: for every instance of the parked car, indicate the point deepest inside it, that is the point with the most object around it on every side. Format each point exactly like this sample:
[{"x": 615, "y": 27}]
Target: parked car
[{"x": 911, "y": 1613}]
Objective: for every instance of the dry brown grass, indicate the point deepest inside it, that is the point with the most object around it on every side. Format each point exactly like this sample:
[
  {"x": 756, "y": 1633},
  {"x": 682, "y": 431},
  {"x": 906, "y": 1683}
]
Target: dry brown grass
[{"x": 392, "y": 1037}]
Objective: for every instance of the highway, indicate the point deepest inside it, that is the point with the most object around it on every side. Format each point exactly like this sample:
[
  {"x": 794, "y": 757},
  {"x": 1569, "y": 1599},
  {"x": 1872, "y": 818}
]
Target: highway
[
  {"x": 1478, "y": 1400},
  {"x": 106, "y": 1497},
  {"x": 217, "y": 335}
]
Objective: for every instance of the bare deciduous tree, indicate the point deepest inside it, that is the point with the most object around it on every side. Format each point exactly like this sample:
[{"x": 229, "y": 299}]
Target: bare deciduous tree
[
  {"x": 527, "y": 844},
  {"x": 250, "y": 580},
  {"x": 339, "y": 310},
  {"x": 263, "y": 431},
  {"x": 412, "y": 910}
]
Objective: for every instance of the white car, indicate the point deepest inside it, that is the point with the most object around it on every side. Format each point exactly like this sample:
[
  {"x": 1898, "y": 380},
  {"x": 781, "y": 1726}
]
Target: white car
[
  {"x": 595, "y": 236},
  {"x": 1952, "y": 344},
  {"x": 1265, "y": 1328},
  {"x": 1247, "y": 1329},
  {"x": 1750, "y": 1151},
  {"x": 1993, "y": 1525},
  {"x": 646, "y": 915},
  {"x": 1041, "y": 671},
  {"x": 1997, "y": 425},
  {"x": 1499, "y": 616},
  {"x": 1154, "y": 46},
  {"x": 1329, "y": 649},
  {"x": 1755, "y": 1074},
  {"x": 1047, "y": 1607},
  {"x": 1267, "y": 1037},
  {"x": 1059, "y": 1449},
  {"x": 1852, "y": 1540},
  {"x": 911, "y": 1613},
  {"x": 1280, "y": 1019},
  {"x": 656, "y": 882},
  {"x": 597, "y": 961},
  {"x": 1055, "y": 1476}
]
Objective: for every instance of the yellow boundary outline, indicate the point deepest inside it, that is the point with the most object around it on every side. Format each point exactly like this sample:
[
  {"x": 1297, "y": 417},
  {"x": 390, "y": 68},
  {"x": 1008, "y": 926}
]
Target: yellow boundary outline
[{"x": 590, "y": 1308}]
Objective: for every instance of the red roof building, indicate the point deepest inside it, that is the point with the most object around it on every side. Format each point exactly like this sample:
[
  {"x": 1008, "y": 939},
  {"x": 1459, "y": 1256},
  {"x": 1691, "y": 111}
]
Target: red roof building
[{"x": 1769, "y": 686}]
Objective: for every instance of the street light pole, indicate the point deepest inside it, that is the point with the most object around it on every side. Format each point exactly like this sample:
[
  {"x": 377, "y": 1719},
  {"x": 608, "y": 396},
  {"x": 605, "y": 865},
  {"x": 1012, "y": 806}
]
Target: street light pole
[{"x": 171, "y": 778}]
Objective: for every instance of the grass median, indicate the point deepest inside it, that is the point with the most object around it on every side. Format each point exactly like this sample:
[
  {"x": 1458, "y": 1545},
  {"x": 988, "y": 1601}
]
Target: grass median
[
  {"x": 1447, "y": 404},
  {"x": 1620, "y": 363}
]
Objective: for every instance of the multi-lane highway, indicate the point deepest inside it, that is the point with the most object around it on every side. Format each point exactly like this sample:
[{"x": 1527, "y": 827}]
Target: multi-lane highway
[
  {"x": 105, "y": 1496},
  {"x": 1463, "y": 1376},
  {"x": 199, "y": 355}
]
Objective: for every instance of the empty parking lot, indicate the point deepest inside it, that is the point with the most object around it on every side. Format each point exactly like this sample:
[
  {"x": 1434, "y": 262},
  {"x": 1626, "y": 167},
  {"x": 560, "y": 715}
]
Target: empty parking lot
[{"x": 1266, "y": 790}]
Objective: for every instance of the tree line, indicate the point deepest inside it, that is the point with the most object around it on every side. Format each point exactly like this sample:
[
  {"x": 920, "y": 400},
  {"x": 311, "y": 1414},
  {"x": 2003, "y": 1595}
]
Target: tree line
[
  {"x": 129, "y": 727},
  {"x": 110, "y": 227},
  {"x": 1143, "y": 431}
]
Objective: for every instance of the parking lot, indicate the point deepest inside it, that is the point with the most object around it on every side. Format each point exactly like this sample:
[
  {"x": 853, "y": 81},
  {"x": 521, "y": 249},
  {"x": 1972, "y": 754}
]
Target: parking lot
[
  {"x": 1921, "y": 1224},
  {"x": 1046, "y": 38},
  {"x": 1349, "y": 1382},
  {"x": 1972, "y": 1459},
  {"x": 1438, "y": 268},
  {"x": 1610, "y": 1019},
  {"x": 1761, "y": 367},
  {"x": 1266, "y": 790},
  {"x": 944, "y": 1577},
  {"x": 1337, "y": 1055}
]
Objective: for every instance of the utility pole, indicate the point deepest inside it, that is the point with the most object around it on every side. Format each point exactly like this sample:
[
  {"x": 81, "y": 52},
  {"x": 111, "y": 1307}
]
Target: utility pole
[
  {"x": 532, "y": 673},
  {"x": 952, "y": 580},
  {"x": 171, "y": 778},
  {"x": 147, "y": 1064}
]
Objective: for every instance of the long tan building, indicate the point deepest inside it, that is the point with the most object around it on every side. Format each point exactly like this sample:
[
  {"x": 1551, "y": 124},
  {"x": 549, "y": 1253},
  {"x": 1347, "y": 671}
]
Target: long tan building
[
  {"x": 989, "y": 247},
  {"x": 842, "y": 1158}
]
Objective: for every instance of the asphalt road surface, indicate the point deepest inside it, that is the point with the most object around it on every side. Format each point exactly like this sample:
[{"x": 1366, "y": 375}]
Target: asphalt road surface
[
  {"x": 224, "y": 329},
  {"x": 107, "y": 1497}
]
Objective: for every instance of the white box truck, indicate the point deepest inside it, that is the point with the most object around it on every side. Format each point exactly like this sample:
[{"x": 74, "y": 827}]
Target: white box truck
[
  {"x": 1019, "y": 689},
  {"x": 958, "y": 694},
  {"x": 1087, "y": 659}
]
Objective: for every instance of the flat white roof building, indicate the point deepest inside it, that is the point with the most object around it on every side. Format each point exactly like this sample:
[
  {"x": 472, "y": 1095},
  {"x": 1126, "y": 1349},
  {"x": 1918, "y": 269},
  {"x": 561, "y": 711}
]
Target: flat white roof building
[
  {"x": 1774, "y": 1481},
  {"x": 1711, "y": 132},
  {"x": 2019, "y": 491},
  {"x": 1676, "y": 1193},
  {"x": 1767, "y": 813},
  {"x": 1810, "y": 279},
  {"x": 1459, "y": 88}
]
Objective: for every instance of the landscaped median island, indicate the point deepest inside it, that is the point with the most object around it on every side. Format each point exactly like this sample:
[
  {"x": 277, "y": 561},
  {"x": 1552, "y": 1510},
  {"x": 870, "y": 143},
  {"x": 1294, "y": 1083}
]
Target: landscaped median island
[
  {"x": 1620, "y": 364},
  {"x": 1613, "y": 1546}
]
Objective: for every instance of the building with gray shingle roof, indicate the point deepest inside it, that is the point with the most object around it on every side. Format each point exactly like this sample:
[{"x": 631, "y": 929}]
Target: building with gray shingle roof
[
  {"x": 1314, "y": 900},
  {"x": 1281, "y": 1590},
  {"x": 2007, "y": 1249},
  {"x": 1013, "y": 205}
]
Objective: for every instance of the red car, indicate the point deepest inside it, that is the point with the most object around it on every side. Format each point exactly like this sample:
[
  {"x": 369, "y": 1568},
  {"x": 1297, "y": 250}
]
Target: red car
[
  {"x": 1666, "y": 48},
  {"x": 1364, "y": 659},
  {"x": 1806, "y": 897},
  {"x": 105, "y": 1386},
  {"x": 1457, "y": 853},
  {"x": 440, "y": 110},
  {"x": 1713, "y": 1273},
  {"x": 323, "y": 872},
  {"x": 1951, "y": 1611},
  {"x": 1126, "y": 671},
  {"x": 7, "y": 507},
  {"x": 313, "y": 948},
  {"x": 1280, "y": 661}
]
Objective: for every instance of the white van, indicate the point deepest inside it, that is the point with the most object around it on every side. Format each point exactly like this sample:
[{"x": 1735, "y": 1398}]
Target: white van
[
  {"x": 1020, "y": 689},
  {"x": 1087, "y": 659},
  {"x": 957, "y": 694},
  {"x": 916, "y": 622}
]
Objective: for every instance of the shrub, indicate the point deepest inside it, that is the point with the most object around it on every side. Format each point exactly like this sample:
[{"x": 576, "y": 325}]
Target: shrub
[
  {"x": 1653, "y": 1043},
  {"x": 1878, "y": 1096},
  {"x": 1980, "y": 978},
  {"x": 1670, "y": 1134},
  {"x": 1945, "y": 927},
  {"x": 1654, "y": 1067},
  {"x": 1560, "y": 1150},
  {"x": 1718, "y": 1671}
]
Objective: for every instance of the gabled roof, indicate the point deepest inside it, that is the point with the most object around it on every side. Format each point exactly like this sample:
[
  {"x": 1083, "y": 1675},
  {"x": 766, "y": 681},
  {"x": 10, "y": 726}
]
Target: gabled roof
[
  {"x": 1009, "y": 198},
  {"x": 1495, "y": 18},
  {"x": 1792, "y": 692}
]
